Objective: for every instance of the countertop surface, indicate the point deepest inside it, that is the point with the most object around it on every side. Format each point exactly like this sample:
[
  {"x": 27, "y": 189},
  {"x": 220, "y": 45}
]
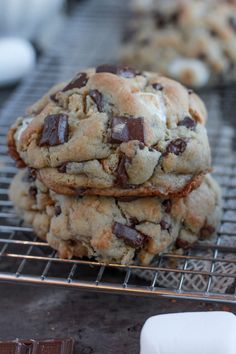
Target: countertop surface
[{"x": 100, "y": 323}]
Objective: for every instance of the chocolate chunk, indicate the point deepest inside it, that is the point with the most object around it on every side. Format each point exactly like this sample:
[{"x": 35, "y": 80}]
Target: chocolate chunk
[
  {"x": 160, "y": 20},
  {"x": 165, "y": 225},
  {"x": 33, "y": 191},
  {"x": 188, "y": 123},
  {"x": 53, "y": 97},
  {"x": 107, "y": 68},
  {"x": 133, "y": 221},
  {"x": 126, "y": 129},
  {"x": 51, "y": 346},
  {"x": 80, "y": 191},
  {"x": 127, "y": 72},
  {"x": 176, "y": 147},
  {"x": 173, "y": 18},
  {"x": 55, "y": 130},
  {"x": 202, "y": 56},
  {"x": 97, "y": 99},
  {"x": 30, "y": 175},
  {"x": 79, "y": 81},
  {"x": 185, "y": 245},
  {"x": 122, "y": 177},
  {"x": 206, "y": 231},
  {"x": 72, "y": 243},
  {"x": 62, "y": 168},
  {"x": 123, "y": 71},
  {"x": 131, "y": 237},
  {"x": 157, "y": 86},
  {"x": 213, "y": 33},
  {"x": 57, "y": 210},
  {"x": 167, "y": 204},
  {"x": 232, "y": 22},
  {"x": 127, "y": 199}
]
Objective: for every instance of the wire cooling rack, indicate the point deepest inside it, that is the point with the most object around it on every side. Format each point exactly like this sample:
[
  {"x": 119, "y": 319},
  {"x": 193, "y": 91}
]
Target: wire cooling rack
[{"x": 26, "y": 259}]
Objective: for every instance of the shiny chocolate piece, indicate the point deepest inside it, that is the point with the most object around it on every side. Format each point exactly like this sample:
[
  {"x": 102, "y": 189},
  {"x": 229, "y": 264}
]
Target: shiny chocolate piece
[
  {"x": 188, "y": 123},
  {"x": 124, "y": 129},
  {"x": 55, "y": 130},
  {"x": 119, "y": 70},
  {"x": 79, "y": 81},
  {"x": 131, "y": 237},
  {"x": 122, "y": 177},
  {"x": 50, "y": 346},
  {"x": 176, "y": 147},
  {"x": 97, "y": 99}
]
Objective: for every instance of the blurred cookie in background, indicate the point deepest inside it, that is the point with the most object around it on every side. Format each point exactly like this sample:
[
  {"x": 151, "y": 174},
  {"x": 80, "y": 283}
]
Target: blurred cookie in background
[{"x": 193, "y": 41}]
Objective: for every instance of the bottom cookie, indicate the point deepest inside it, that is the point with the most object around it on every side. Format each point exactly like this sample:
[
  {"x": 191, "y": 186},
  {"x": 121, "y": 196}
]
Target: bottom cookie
[{"x": 116, "y": 230}]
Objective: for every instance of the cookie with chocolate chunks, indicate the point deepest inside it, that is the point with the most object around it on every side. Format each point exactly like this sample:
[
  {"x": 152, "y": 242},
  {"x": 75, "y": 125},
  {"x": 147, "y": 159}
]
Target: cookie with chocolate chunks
[
  {"x": 113, "y": 131},
  {"x": 178, "y": 39},
  {"x": 117, "y": 230}
]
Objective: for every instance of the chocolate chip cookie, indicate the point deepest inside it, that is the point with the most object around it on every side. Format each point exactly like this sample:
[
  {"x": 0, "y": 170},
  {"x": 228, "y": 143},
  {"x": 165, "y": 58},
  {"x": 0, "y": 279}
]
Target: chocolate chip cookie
[
  {"x": 191, "y": 41},
  {"x": 118, "y": 230},
  {"x": 115, "y": 131}
]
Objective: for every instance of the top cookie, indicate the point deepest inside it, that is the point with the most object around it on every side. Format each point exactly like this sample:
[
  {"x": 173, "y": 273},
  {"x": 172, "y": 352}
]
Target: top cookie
[
  {"x": 115, "y": 131},
  {"x": 192, "y": 41}
]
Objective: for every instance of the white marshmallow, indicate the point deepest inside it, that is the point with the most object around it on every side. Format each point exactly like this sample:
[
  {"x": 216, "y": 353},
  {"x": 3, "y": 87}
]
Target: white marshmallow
[
  {"x": 23, "y": 126},
  {"x": 190, "y": 333},
  {"x": 153, "y": 103},
  {"x": 179, "y": 68},
  {"x": 17, "y": 59}
]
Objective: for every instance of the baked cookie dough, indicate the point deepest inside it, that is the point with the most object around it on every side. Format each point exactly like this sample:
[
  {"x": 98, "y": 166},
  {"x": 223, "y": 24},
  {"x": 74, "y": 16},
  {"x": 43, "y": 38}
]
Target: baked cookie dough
[
  {"x": 192, "y": 41},
  {"x": 118, "y": 230},
  {"x": 114, "y": 131}
]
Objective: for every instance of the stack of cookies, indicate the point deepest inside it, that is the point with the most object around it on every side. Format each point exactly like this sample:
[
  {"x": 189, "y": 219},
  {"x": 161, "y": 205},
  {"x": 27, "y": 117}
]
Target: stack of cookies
[
  {"x": 115, "y": 166},
  {"x": 193, "y": 41}
]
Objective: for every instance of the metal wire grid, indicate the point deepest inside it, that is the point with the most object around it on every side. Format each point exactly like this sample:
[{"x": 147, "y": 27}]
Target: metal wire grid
[{"x": 24, "y": 258}]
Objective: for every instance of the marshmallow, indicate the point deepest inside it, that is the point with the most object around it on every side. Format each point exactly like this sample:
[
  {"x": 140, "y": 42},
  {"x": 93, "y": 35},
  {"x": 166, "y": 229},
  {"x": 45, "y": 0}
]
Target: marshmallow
[
  {"x": 16, "y": 61},
  {"x": 153, "y": 103},
  {"x": 190, "y": 333},
  {"x": 192, "y": 71}
]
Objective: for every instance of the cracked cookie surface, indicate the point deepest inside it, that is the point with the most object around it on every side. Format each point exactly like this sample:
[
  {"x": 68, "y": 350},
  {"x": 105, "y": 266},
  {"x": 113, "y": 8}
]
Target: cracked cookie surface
[
  {"x": 116, "y": 230},
  {"x": 115, "y": 131}
]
